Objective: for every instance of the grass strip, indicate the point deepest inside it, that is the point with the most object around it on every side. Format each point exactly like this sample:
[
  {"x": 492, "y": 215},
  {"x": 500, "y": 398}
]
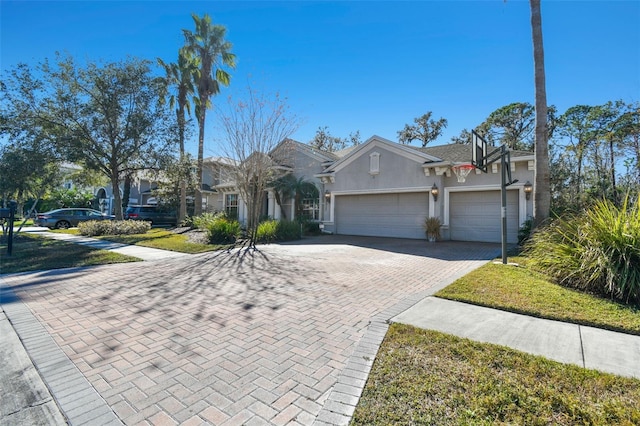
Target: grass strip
[
  {"x": 156, "y": 238},
  {"x": 427, "y": 377},
  {"x": 35, "y": 253},
  {"x": 522, "y": 290}
]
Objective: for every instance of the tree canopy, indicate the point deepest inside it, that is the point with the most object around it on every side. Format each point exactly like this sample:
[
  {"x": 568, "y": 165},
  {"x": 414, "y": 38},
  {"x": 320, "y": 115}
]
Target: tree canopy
[
  {"x": 252, "y": 129},
  {"x": 106, "y": 117},
  {"x": 324, "y": 141},
  {"x": 425, "y": 130}
]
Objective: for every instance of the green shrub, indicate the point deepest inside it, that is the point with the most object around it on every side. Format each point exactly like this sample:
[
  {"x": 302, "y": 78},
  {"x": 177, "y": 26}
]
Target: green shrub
[
  {"x": 597, "y": 251},
  {"x": 205, "y": 220},
  {"x": 267, "y": 231},
  {"x": 311, "y": 228},
  {"x": 288, "y": 230},
  {"x": 524, "y": 232},
  {"x": 223, "y": 231},
  {"x": 94, "y": 228},
  {"x": 187, "y": 222}
]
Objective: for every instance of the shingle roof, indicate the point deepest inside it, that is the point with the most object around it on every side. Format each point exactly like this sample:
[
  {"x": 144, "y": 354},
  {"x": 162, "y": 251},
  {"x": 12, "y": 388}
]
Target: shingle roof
[
  {"x": 459, "y": 153},
  {"x": 326, "y": 154},
  {"x": 343, "y": 152}
]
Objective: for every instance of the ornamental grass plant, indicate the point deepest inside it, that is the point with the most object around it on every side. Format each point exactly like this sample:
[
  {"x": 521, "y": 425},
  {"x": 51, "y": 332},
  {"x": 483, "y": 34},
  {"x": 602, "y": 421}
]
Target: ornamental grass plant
[
  {"x": 223, "y": 230},
  {"x": 267, "y": 231},
  {"x": 597, "y": 251}
]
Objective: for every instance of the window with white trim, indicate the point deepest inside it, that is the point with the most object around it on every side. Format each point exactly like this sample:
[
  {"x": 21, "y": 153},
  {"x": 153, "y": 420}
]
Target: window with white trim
[
  {"x": 311, "y": 208},
  {"x": 231, "y": 205}
]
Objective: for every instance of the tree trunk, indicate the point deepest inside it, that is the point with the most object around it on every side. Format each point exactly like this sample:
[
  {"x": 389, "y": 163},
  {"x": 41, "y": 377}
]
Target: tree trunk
[
  {"x": 579, "y": 177},
  {"x": 117, "y": 199},
  {"x": 182, "y": 211},
  {"x": 283, "y": 213},
  {"x": 127, "y": 191},
  {"x": 612, "y": 155},
  {"x": 542, "y": 199},
  {"x": 198, "y": 195}
]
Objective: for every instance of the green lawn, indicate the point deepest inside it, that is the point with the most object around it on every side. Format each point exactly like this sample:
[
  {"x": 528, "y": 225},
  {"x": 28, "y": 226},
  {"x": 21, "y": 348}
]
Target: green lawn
[
  {"x": 519, "y": 289},
  {"x": 157, "y": 238},
  {"x": 426, "y": 377},
  {"x": 34, "y": 253}
]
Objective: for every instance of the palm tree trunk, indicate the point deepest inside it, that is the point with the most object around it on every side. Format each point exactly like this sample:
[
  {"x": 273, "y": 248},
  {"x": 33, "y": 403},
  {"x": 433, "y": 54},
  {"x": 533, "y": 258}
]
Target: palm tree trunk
[
  {"x": 542, "y": 199},
  {"x": 182, "y": 211},
  {"x": 198, "y": 193}
]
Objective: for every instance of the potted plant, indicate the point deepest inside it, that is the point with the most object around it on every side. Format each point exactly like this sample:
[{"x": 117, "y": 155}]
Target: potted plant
[{"x": 432, "y": 228}]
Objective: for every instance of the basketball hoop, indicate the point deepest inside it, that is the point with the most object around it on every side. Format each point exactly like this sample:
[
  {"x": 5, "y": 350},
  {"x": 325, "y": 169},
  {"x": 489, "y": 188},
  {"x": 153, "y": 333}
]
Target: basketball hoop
[{"x": 462, "y": 171}]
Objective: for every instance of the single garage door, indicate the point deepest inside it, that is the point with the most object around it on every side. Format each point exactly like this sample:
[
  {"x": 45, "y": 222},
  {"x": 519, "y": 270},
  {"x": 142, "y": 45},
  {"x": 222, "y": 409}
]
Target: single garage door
[
  {"x": 382, "y": 215},
  {"x": 475, "y": 216}
]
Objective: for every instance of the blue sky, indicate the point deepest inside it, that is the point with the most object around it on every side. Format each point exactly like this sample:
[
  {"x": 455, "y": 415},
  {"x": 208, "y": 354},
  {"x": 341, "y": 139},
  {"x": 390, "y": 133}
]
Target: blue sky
[{"x": 367, "y": 66}]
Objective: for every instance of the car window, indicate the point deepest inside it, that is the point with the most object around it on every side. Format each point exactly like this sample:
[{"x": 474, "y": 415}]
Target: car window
[
  {"x": 93, "y": 214},
  {"x": 148, "y": 209},
  {"x": 79, "y": 213}
]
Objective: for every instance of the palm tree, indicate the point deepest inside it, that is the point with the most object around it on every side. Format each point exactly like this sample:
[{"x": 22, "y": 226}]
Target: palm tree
[
  {"x": 208, "y": 44},
  {"x": 180, "y": 75},
  {"x": 542, "y": 199},
  {"x": 288, "y": 187}
]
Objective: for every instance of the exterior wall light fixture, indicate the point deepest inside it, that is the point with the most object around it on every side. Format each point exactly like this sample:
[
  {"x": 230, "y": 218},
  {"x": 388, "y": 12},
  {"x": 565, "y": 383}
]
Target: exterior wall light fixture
[
  {"x": 327, "y": 196},
  {"x": 435, "y": 191},
  {"x": 528, "y": 189}
]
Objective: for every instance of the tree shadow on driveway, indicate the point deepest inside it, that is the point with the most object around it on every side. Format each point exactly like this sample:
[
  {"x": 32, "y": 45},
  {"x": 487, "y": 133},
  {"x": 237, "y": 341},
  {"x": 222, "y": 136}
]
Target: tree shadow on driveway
[{"x": 443, "y": 250}]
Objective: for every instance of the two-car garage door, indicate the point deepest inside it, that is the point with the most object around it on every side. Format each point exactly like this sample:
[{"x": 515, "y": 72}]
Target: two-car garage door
[
  {"x": 475, "y": 216},
  {"x": 399, "y": 215}
]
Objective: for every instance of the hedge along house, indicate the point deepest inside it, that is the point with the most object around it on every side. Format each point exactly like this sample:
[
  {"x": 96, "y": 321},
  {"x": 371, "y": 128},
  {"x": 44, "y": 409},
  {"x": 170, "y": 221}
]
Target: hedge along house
[{"x": 382, "y": 188}]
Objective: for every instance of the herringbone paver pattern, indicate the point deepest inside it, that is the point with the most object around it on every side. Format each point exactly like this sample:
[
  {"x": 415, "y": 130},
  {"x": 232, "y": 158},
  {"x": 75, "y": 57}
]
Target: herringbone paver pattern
[{"x": 233, "y": 338}]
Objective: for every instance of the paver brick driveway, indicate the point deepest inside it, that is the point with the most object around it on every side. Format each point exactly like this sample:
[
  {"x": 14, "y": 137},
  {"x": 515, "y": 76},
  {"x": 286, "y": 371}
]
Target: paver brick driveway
[{"x": 258, "y": 338}]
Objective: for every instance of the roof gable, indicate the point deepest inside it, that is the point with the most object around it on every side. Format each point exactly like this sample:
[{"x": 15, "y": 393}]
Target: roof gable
[
  {"x": 377, "y": 141},
  {"x": 308, "y": 150}
]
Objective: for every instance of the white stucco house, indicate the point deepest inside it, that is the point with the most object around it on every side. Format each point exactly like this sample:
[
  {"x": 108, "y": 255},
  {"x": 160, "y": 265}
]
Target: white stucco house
[{"x": 382, "y": 188}]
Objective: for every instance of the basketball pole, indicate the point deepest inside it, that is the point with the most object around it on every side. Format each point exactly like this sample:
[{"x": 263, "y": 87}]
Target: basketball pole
[
  {"x": 480, "y": 159},
  {"x": 503, "y": 207}
]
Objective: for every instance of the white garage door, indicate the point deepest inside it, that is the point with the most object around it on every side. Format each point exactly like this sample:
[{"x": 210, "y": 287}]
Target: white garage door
[
  {"x": 475, "y": 216},
  {"x": 382, "y": 215}
]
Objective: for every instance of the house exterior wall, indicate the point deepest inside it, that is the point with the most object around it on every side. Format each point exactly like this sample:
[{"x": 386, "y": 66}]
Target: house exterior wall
[
  {"x": 395, "y": 171},
  {"x": 376, "y": 169}
]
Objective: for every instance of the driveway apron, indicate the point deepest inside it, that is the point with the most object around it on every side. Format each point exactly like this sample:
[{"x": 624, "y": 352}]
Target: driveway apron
[{"x": 241, "y": 337}]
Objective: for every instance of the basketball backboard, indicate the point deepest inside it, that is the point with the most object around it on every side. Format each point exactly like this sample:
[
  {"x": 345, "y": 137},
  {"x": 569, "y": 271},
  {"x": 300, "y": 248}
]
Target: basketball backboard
[{"x": 478, "y": 151}]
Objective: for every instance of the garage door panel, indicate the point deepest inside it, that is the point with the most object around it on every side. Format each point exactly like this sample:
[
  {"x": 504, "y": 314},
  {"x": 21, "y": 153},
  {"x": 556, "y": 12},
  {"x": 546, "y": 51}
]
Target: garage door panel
[
  {"x": 475, "y": 216},
  {"x": 384, "y": 215}
]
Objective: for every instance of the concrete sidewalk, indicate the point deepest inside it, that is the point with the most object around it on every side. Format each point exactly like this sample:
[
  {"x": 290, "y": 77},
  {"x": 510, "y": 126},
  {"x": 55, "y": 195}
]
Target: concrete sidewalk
[
  {"x": 144, "y": 253},
  {"x": 25, "y": 398},
  {"x": 587, "y": 347}
]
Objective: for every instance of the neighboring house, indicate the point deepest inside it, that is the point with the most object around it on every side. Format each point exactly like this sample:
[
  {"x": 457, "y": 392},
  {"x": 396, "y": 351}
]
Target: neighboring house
[
  {"x": 382, "y": 188},
  {"x": 67, "y": 170},
  {"x": 144, "y": 183},
  {"x": 216, "y": 172}
]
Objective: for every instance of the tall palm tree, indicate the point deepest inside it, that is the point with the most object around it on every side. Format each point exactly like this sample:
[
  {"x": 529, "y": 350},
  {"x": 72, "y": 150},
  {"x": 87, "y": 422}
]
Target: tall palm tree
[
  {"x": 180, "y": 75},
  {"x": 208, "y": 44},
  {"x": 542, "y": 199}
]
